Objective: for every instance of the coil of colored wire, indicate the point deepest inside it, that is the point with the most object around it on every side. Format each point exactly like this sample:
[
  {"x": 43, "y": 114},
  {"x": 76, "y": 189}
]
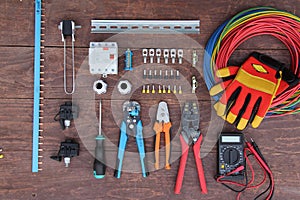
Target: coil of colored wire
[{"x": 245, "y": 25}]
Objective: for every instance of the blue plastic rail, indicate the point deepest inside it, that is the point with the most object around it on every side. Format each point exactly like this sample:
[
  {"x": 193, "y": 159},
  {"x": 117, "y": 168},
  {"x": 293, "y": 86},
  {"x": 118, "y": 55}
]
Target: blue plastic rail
[{"x": 36, "y": 97}]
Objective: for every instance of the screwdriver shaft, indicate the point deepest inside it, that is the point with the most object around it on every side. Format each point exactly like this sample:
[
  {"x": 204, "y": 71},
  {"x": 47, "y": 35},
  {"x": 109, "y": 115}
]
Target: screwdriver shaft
[{"x": 100, "y": 118}]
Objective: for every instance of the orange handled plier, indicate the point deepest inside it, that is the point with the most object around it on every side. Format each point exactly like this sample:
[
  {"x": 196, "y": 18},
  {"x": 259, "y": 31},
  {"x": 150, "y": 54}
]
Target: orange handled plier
[{"x": 162, "y": 125}]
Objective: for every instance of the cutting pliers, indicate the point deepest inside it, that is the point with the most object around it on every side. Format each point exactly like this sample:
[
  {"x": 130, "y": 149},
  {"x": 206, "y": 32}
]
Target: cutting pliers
[
  {"x": 162, "y": 125},
  {"x": 131, "y": 123},
  {"x": 190, "y": 136}
]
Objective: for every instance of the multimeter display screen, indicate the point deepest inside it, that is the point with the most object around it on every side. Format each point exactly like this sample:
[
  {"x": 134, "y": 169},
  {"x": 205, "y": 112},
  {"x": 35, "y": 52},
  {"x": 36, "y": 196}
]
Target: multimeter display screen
[{"x": 231, "y": 139}]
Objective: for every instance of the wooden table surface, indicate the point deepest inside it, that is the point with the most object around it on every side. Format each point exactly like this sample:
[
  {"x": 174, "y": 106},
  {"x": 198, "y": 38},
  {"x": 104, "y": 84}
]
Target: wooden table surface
[{"x": 278, "y": 138}]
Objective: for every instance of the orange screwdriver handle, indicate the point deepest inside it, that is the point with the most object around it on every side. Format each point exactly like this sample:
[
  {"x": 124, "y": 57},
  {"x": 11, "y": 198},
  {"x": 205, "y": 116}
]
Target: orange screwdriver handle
[
  {"x": 166, "y": 129},
  {"x": 196, "y": 149},
  {"x": 157, "y": 128}
]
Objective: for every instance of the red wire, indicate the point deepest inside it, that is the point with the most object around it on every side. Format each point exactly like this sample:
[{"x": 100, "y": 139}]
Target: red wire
[
  {"x": 265, "y": 166},
  {"x": 281, "y": 27},
  {"x": 259, "y": 184}
]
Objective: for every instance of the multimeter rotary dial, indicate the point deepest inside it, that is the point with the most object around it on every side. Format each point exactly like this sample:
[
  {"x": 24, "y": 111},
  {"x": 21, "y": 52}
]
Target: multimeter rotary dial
[{"x": 231, "y": 156}]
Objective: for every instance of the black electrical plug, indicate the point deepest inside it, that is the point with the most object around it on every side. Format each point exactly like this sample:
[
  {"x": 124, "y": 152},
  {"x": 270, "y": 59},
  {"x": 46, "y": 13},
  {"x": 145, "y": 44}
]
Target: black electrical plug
[{"x": 67, "y": 150}]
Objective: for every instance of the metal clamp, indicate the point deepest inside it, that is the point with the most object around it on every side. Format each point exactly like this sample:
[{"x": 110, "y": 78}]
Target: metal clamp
[{"x": 67, "y": 28}]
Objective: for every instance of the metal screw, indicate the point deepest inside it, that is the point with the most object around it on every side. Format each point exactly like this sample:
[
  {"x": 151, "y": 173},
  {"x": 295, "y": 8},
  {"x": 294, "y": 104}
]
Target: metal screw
[
  {"x": 166, "y": 75},
  {"x": 194, "y": 58},
  {"x": 172, "y": 74},
  {"x": 177, "y": 74},
  {"x": 150, "y": 74},
  {"x": 155, "y": 74}
]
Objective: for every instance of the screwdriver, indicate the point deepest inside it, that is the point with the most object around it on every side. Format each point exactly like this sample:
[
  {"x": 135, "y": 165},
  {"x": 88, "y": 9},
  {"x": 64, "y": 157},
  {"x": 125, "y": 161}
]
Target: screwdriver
[{"x": 99, "y": 166}]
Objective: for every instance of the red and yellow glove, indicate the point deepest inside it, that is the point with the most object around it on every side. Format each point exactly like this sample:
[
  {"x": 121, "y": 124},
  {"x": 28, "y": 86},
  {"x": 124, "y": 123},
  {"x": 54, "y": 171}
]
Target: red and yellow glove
[{"x": 248, "y": 96}]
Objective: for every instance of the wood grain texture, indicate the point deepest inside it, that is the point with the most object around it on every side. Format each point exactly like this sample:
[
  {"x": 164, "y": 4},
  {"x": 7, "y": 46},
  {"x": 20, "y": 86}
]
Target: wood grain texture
[
  {"x": 278, "y": 138},
  {"x": 211, "y": 15},
  {"x": 16, "y": 72},
  {"x": 17, "y": 23}
]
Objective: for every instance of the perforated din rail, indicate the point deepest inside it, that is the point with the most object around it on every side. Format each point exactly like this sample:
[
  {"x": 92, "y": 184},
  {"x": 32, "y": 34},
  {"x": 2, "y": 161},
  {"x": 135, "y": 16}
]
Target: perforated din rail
[{"x": 167, "y": 26}]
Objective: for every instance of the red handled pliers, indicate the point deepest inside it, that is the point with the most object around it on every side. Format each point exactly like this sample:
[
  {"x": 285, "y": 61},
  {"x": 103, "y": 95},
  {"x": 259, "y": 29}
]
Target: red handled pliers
[{"x": 190, "y": 136}]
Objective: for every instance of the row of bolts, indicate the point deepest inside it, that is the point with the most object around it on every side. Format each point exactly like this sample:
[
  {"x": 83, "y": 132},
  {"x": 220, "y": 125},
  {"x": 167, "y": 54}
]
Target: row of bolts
[{"x": 161, "y": 89}]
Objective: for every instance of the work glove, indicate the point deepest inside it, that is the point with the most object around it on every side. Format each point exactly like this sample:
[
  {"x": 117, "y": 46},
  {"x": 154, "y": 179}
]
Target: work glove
[{"x": 250, "y": 89}]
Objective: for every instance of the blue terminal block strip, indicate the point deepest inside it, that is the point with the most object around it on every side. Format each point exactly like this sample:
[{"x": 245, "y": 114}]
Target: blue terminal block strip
[{"x": 36, "y": 97}]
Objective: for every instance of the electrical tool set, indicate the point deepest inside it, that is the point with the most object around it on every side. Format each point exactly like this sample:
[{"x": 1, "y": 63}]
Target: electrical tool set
[{"x": 261, "y": 87}]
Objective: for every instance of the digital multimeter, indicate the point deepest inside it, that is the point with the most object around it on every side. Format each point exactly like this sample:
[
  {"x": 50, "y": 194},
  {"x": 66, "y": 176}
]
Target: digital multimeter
[{"x": 231, "y": 155}]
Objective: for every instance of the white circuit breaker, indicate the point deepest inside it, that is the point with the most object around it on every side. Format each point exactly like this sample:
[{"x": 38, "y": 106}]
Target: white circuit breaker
[{"x": 103, "y": 58}]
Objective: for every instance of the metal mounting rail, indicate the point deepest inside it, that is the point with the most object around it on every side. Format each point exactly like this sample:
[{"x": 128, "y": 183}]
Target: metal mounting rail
[{"x": 160, "y": 26}]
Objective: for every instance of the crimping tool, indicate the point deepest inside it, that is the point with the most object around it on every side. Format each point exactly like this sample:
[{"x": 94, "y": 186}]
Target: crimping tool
[
  {"x": 162, "y": 125},
  {"x": 190, "y": 135},
  {"x": 131, "y": 123}
]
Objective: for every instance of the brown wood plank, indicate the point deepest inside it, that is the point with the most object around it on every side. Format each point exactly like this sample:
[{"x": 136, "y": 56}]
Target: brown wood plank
[
  {"x": 16, "y": 72},
  {"x": 49, "y": 183},
  {"x": 211, "y": 16},
  {"x": 17, "y": 23}
]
